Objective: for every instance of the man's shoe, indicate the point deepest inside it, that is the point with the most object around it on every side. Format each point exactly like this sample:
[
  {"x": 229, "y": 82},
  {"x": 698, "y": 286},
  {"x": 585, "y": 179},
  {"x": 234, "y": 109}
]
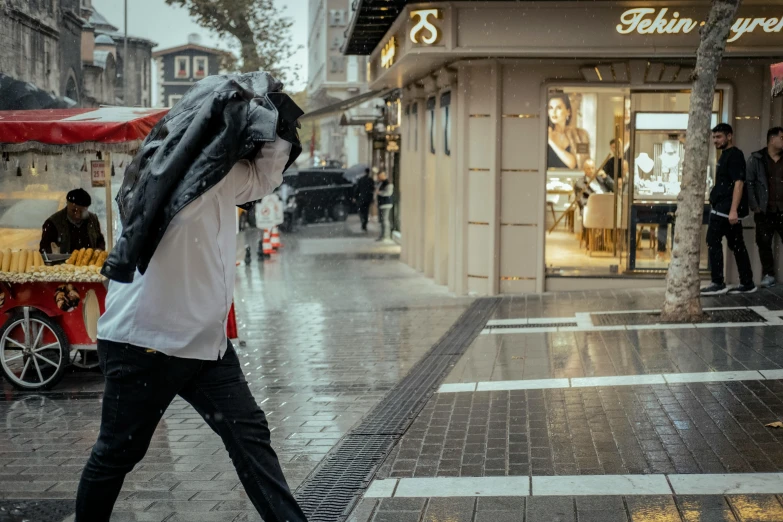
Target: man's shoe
[
  {"x": 767, "y": 281},
  {"x": 715, "y": 289},
  {"x": 743, "y": 289}
]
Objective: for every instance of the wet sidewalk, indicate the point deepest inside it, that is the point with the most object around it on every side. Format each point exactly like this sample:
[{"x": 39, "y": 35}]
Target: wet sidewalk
[
  {"x": 325, "y": 337},
  {"x": 559, "y": 412}
]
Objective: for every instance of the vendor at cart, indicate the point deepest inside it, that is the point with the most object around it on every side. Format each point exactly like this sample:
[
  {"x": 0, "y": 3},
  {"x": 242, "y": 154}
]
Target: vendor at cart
[{"x": 73, "y": 227}]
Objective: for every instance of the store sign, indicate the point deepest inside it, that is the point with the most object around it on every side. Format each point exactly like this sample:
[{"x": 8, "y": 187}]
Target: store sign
[
  {"x": 98, "y": 173},
  {"x": 388, "y": 53},
  {"x": 425, "y": 31},
  {"x": 650, "y": 20},
  {"x": 777, "y": 78}
]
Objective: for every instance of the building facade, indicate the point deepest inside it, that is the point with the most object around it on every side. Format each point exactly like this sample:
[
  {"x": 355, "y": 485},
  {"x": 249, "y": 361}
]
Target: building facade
[
  {"x": 137, "y": 91},
  {"x": 40, "y": 42},
  {"x": 179, "y": 68},
  {"x": 333, "y": 77},
  {"x": 508, "y": 111}
]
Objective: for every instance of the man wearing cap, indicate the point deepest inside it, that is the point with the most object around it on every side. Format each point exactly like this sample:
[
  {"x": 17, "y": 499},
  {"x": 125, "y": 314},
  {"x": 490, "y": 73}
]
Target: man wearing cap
[{"x": 73, "y": 227}]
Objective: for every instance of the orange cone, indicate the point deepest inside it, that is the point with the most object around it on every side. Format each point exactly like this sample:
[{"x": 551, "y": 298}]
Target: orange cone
[
  {"x": 276, "y": 243},
  {"x": 267, "y": 244}
]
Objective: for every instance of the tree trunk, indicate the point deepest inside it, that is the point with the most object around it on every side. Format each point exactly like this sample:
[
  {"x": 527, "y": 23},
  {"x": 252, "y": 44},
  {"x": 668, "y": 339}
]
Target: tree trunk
[
  {"x": 251, "y": 61},
  {"x": 682, "y": 303}
]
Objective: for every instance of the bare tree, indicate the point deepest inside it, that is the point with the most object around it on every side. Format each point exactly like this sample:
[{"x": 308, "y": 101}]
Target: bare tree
[
  {"x": 261, "y": 30},
  {"x": 682, "y": 303}
]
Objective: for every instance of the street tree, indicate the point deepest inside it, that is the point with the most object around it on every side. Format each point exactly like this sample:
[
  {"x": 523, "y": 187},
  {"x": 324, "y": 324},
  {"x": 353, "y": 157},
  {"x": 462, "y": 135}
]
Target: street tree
[
  {"x": 262, "y": 32},
  {"x": 681, "y": 303}
]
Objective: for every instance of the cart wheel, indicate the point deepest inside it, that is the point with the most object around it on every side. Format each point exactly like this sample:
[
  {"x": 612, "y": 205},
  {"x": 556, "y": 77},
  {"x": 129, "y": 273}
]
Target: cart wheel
[
  {"x": 84, "y": 359},
  {"x": 33, "y": 351}
]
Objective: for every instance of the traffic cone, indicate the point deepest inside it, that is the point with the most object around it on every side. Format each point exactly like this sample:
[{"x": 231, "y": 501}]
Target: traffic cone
[
  {"x": 276, "y": 243},
  {"x": 267, "y": 249}
]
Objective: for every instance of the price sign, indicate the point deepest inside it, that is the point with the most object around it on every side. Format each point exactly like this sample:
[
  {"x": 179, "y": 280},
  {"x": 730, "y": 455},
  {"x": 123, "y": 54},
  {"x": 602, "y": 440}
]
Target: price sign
[{"x": 98, "y": 173}]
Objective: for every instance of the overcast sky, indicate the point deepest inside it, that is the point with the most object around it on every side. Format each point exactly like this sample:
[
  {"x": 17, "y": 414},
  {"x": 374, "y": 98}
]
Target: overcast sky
[{"x": 170, "y": 26}]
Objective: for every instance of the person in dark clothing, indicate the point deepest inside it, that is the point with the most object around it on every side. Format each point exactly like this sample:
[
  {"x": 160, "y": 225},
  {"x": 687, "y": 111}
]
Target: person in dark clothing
[
  {"x": 729, "y": 201},
  {"x": 621, "y": 161},
  {"x": 385, "y": 204},
  {"x": 73, "y": 227},
  {"x": 765, "y": 198},
  {"x": 363, "y": 194}
]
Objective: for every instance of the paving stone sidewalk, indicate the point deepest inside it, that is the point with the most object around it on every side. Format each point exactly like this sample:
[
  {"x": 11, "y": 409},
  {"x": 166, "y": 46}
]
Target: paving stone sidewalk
[{"x": 326, "y": 337}]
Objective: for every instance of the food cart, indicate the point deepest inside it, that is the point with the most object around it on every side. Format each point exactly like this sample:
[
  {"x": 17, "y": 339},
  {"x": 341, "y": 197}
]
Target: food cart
[{"x": 50, "y": 305}]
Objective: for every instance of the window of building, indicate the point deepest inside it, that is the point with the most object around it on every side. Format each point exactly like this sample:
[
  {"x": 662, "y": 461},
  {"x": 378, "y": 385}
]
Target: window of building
[
  {"x": 174, "y": 99},
  {"x": 337, "y": 64},
  {"x": 445, "y": 108},
  {"x": 200, "y": 66},
  {"x": 614, "y": 169},
  {"x": 353, "y": 69},
  {"x": 182, "y": 67},
  {"x": 431, "y": 122},
  {"x": 415, "y": 112},
  {"x": 337, "y": 17}
]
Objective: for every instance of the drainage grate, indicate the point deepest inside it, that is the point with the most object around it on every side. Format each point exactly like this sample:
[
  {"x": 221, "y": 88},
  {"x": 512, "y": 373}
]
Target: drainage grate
[
  {"x": 540, "y": 325},
  {"x": 734, "y": 315},
  {"x": 330, "y": 493},
  {"x": 35, "y": 510}
]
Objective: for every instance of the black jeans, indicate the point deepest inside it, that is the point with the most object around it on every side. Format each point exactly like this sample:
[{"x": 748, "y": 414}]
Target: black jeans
[
  {"x": 364, "y": 215},
  {"x": 718, "y": 229},
  {"x": 767, "y": 224},
  {"x": 140, "y": 385}
]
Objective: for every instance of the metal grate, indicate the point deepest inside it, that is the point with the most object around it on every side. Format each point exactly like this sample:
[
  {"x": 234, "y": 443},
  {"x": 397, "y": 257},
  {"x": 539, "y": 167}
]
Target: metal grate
[
  {"x": 35, "y": 510},
  {"x": 540, "y": 325},
  {"x": 734, "y": 315},
  {"x": 329, "y": 494}
]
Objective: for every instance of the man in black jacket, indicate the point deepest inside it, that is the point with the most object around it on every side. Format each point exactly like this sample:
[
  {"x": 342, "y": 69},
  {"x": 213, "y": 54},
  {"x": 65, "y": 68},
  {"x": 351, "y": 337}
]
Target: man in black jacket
[
  {"x": 363, "y": 193},
  {"x": 729, "y": 201},
  {"x": 765, "y": 197}
]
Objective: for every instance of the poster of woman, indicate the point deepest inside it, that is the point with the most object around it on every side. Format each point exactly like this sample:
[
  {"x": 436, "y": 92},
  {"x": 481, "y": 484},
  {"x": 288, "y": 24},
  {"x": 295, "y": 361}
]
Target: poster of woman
[{"x": 569, "y": 145}]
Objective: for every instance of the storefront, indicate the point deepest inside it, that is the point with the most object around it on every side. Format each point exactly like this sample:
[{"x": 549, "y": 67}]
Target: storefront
[{"x": 508, "y": 110}]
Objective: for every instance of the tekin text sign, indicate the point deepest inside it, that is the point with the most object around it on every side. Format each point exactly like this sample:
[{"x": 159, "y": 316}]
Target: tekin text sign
[
  {"x": 425, "y": 31},
  {"x": 650, "y": 20}
]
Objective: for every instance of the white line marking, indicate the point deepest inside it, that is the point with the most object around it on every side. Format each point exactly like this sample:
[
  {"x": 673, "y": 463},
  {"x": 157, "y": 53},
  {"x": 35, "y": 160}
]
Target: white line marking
[
  {"x": 464, "y": 487},
  {"x": 728, "y": 484},
  {"x": 612, "y": 380},
  {"x": 620, "y": 380},
  {"x": 532, "y": 384},
  {"x": 381, "y": 488},
  {"x": 457, "y": 387},
  {"x": 676, "y": 378},
  {"x": 581, "y": 485}
]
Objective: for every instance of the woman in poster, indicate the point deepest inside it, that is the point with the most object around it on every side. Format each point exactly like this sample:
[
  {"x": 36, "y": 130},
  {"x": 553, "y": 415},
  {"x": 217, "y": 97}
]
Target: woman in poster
[{"x": 569, "y": 146}]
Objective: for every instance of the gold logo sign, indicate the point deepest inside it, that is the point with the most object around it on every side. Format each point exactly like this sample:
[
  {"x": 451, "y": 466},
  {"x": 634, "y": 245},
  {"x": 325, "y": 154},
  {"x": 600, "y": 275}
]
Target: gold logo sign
[
  {"x": 425, "y": 24},
  {"x": 649, "y": 20},
  {"x": 388, "y": 53}
]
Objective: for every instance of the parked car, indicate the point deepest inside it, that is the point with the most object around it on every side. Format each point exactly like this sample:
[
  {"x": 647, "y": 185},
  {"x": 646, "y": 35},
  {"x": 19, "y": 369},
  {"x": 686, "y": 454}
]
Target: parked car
[{"x": 322, "y": 193}]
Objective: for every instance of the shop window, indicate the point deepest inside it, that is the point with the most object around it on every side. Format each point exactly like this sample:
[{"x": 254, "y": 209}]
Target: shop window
[
  {"x": 614, "y": 169},
  {"x": 431, "y": 122},
  {"x": 182, "y": 67},
  {"x": 445, "y": 108},
  {"x": 200, "y": 66},
  {"x": 415, "y": 112}
]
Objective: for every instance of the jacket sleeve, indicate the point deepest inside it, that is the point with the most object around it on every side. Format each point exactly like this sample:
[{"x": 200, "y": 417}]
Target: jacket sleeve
[
  {"x": 164, "y": 158},
  {"x": 49, "y": 235},
  {"x": 388, "y": 191},
  {"x": 751, "y": 180}
]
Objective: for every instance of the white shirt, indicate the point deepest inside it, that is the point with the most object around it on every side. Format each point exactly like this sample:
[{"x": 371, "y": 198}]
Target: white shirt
[{"x": 180, "y": 305}]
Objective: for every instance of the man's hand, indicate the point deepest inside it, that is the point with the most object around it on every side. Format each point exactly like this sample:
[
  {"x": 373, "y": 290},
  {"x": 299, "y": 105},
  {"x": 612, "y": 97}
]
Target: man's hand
[{"x": 733, "y": 217}]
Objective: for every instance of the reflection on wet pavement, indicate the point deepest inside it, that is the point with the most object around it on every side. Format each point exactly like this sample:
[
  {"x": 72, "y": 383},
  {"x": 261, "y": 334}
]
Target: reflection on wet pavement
[{"x": 324, "y": 339}]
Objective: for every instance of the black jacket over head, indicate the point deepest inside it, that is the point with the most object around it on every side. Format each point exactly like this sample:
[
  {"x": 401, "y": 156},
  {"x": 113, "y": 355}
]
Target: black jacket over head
[{"x": 220, "y": 121}]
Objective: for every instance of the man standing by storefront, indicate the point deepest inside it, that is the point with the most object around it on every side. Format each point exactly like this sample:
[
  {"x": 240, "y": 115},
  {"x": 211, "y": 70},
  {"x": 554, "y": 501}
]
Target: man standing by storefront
[
  {"x": 363, "y": 194},
  {"x": 385, "y": 204},
  {"x": 765, "y": 197},
  {"x": 729, "y": 201}
]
